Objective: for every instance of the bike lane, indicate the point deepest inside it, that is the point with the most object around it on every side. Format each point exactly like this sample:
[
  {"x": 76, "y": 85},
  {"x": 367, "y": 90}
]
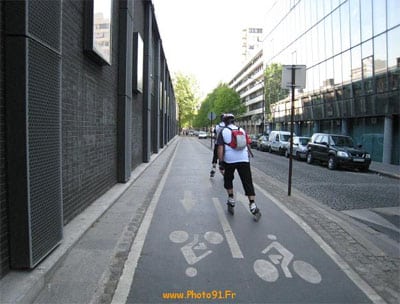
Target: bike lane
[{"x": 195, "y": 251}]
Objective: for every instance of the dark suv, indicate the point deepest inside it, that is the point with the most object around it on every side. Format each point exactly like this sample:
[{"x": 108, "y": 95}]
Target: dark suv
[{"x": 337, "y": 151}]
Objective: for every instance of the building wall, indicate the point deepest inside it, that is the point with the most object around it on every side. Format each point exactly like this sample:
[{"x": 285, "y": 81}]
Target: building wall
[
  {"x": 352, "y": 57},
  {"x": 89, "y": 107},
  {"x": 90, "y": 111},
  {"x": 4, "y": 265},
  {"x": 137, "y": 102}
]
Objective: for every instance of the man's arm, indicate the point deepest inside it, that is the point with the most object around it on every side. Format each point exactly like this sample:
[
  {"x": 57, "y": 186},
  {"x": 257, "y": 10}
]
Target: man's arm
[{"x": 221, "y": 153}]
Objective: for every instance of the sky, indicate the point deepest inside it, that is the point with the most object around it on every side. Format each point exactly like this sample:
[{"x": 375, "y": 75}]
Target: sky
[{"x": 202, "y": 38}]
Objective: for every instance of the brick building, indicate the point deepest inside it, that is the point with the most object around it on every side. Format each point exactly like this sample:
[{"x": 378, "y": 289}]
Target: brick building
[{"x": 83, "y": 102}]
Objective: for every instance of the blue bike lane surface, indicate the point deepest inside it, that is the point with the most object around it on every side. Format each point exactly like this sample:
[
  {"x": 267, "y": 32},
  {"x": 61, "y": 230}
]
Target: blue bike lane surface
[{"x": 190, "y": 249}]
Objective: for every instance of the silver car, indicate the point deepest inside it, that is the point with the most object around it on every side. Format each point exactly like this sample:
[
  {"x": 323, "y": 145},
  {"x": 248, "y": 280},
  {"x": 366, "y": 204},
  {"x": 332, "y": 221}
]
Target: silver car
[{"x": 299, "y": 147}]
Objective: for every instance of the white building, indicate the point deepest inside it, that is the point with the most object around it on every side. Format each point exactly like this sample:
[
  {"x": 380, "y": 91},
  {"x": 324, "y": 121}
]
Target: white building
[
  {"x": 249, "y": 83},
  {"x": 252, "y": 41}
]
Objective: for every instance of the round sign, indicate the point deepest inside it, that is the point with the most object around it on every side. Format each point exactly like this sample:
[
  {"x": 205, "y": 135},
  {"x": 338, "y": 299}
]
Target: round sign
[{"x": 211, "y": 115}]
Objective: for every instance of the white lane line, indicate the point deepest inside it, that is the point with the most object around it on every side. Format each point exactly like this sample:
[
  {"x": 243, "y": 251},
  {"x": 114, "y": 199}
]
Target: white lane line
[
  {"x": 125, "y": 282},
  {"x": 353, "y": 276},
  {"x": 230, "y": 237}
]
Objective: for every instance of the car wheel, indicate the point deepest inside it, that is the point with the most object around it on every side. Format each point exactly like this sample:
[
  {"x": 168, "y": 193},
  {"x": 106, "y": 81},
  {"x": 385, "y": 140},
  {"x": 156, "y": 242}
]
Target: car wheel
[
  {"x": 310, "y": 159},
  {"x": 297, "y": 155},
  {"x": 269, "y": 150},
  {"x": 286, "y": 153},
  {"x": 332, "y": 164}
]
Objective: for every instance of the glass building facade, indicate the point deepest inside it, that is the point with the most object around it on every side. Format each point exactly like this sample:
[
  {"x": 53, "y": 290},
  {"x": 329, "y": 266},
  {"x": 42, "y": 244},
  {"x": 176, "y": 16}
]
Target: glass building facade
[{"x": 351, "y": 49}]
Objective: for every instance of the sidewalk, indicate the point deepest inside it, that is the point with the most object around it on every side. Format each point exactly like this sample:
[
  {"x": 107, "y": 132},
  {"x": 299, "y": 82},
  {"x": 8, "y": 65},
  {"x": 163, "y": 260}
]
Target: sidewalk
[
  {"x": 385, "y": 169},
  {"x": 95, "y": 243},
  {"x": 86, "y": 267}
]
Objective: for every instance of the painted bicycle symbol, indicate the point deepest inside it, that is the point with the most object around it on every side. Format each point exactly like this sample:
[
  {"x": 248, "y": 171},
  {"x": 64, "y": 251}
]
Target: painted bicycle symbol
[
  {"x": 195, "y": 250},
  {"x": 267, "y": 270}
]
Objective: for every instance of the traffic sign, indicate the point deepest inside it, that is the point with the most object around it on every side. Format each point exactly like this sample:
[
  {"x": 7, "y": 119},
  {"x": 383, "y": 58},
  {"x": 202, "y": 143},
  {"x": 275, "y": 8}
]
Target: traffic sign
[{"x": 211, "y": 116}]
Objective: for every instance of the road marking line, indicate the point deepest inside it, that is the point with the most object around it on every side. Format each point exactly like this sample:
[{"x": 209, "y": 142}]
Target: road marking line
[
  {"x": 343, "y": 265},
  {"x": 230, "y": 237},
  {"x": 126, "y": 279}
]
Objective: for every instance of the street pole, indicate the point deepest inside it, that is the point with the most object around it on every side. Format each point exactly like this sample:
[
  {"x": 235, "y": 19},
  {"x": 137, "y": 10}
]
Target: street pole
[
  {"x": 211, "y": 137},
  {"x": 289, "y": 81},
  {"x": 263, "y": 108},
  {"x": 291, "y": 132}
]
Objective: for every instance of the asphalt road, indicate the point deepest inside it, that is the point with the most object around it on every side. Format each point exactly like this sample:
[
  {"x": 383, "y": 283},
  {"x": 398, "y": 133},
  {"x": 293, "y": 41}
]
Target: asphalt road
[
  {"x": 339, "y": 189},
  {"x": 189, "y": 248}
]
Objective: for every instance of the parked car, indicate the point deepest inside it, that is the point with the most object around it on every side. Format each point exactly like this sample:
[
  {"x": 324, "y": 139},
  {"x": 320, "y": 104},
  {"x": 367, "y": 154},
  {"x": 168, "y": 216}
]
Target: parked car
[
  {"x": 262, "y": 143},
  {"x": 202, "y": 135},
  {"x": 299, "y": 147},
  {"x": 337, "y": 151},
  {"x": 278, "y": 141},
  {"x": 254, "y": 140}
]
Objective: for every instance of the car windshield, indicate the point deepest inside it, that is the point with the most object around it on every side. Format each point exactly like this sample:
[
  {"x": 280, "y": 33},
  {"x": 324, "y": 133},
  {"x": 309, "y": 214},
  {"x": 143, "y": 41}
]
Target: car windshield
[
  {"x": 304, "y": 141},
  {"x": 342, "y": 141}
]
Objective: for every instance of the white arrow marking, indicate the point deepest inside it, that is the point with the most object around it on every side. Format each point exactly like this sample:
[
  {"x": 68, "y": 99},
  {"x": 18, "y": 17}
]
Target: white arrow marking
[{"x": 187, "y": 201}]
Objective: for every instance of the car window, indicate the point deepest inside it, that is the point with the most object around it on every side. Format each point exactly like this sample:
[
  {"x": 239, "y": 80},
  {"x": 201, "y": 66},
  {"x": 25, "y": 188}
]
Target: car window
[
  {"x": 342, "y": 141},
  {"x": 285, "y": 137},
  {"x": 324, "y": 139},
  {"x": 303, "y": 141},
  {"x": 318, "y": 139}
]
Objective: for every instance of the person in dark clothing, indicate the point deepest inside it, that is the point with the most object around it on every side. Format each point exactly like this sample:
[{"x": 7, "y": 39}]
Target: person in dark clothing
[{"x": 217, "y": 130}]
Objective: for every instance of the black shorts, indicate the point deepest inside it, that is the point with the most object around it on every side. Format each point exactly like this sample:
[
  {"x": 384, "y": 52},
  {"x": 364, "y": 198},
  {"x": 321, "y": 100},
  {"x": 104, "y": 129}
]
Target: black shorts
[{"x": 244, "y": 171}]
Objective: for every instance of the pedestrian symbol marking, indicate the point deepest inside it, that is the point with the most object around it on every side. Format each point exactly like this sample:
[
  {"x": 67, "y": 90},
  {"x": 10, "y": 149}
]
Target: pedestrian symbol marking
[
  {"x": 188, "y": 202},
  {"x": 195, "y": 250},
  {"x": 267, "y": 270}
]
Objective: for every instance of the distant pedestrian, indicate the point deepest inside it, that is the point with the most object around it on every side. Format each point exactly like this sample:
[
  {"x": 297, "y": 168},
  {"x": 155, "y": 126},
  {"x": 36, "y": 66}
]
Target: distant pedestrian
[
  {"x": 234, "y": 154},
  {"x": 217, "y": 130}
]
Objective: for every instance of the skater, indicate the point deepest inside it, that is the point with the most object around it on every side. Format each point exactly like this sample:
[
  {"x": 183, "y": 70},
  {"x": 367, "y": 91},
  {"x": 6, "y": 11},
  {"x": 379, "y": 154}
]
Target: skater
[
  {"x": 233, "y": 154},
  {"x": 217, "y": 130}
]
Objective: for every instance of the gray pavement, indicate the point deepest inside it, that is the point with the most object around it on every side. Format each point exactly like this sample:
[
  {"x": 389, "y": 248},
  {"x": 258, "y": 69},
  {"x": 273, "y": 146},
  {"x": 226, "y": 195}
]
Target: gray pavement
[{"x": 87, "y": 266}]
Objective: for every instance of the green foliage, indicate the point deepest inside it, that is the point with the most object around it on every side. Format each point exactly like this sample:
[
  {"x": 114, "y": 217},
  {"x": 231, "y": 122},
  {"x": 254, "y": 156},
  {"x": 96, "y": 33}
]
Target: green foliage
[
  {"x": 273, "y": 90},
  {"x": 186, "y": 88},
  {"x": 221, "y": 100}
]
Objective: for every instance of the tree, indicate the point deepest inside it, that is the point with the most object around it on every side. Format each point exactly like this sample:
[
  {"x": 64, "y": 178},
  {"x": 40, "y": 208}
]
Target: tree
[
  {"x": 222, "y": 99},
  {"x": 273, "y": 91},
  {"x": 186, "y": 95}
]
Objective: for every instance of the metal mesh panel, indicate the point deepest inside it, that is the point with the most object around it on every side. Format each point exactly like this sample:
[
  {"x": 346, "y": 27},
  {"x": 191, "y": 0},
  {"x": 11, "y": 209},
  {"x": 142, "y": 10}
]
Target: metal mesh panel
[
  {"x": 44, "y": 149},
  {"x": 45, "y": 22}
]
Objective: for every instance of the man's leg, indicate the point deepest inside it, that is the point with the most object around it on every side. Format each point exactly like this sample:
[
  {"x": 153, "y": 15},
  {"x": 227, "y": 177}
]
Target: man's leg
[
  {"x": 228, "y": 185},
  {"x": 214, "y": 161},
  {"x": 247, "y": 182}
]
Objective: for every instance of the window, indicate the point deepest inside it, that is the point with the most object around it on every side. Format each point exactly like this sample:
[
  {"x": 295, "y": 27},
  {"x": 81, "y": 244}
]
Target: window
[
  {"x": 336, "y": 32},
  {"x": 98, "y": 32},
  {"x": 393, "y": 48},
  {"x": 346, "y": 67},
  {"x": 337, "y": 65},
  {"x": 379, "y": 11},
  {"x": 380, "y": 60},
  {"x": 356, "y": 63},
  {"x": 393, "y": 9},
  {"x": 355, "y": 22},
  {"x": 345, "y": 26},
  {"x": 366, "y": 19}
]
